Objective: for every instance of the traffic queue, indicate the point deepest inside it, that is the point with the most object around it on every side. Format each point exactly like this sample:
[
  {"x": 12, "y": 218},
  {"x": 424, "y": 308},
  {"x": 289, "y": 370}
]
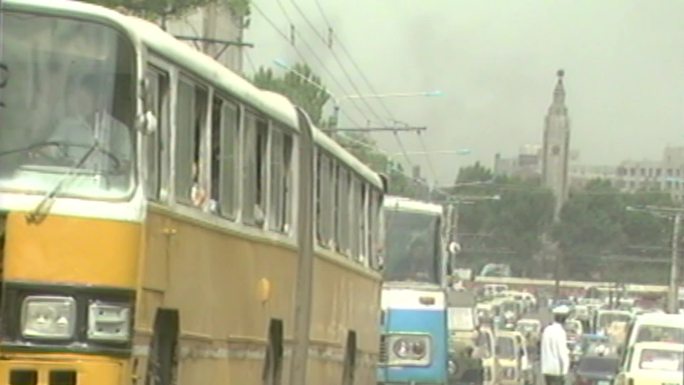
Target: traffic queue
[
  {"x": 610, "y": 341},
  {"x": 490, "y": 341}
]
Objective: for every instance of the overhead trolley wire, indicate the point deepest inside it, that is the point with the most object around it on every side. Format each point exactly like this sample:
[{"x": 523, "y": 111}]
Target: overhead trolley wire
[
  {"x": 367, "y": 82},
  {"x": 308, "y": 47},
  {"x": 337, "y": 60}
]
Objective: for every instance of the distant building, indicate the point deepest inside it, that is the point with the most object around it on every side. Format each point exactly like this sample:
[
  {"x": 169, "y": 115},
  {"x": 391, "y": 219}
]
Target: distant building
[
  {"x": 666, "y": 174},
  {"x": 211, "y": 26},
  {"x": 526, "y": 165},
  {"x": 631, "y": 176},
  {"x": 581, "y": 174}
]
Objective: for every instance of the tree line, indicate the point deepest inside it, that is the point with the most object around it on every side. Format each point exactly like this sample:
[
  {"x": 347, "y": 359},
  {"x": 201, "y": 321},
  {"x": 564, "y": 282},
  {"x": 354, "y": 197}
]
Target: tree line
[{"x": 597, "y": 236}]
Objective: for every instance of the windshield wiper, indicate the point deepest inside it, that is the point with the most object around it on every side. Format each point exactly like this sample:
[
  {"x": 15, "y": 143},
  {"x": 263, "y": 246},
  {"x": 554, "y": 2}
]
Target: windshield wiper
[{"x": 37, "y": 215}]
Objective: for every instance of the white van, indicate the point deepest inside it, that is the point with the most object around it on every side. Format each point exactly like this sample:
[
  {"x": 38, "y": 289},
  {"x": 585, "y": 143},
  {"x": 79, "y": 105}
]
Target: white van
[{"x": 656, "y": 327}]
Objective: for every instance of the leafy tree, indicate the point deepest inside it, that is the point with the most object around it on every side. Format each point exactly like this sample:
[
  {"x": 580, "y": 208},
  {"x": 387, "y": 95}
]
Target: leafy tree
[
  {"x": 301, "y": 85},
  {"x": 306, "y": 90},
  {"x": 590, "y": 226},
  {"x": 507, "y": 230},
  {"x": 521, "y": 217},
  {"x": 154, "y": 9},
  {"x": 474, "y": 173},
  {"x": 595, "y": 222}
]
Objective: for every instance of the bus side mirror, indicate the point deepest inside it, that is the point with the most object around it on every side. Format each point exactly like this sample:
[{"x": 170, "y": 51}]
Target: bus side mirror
[{"x": 454, "y": 248}]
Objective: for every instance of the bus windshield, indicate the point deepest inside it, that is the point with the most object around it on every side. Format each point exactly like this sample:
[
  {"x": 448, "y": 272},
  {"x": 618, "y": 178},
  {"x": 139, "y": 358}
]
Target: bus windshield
[
  {"x": 67, "y": 107},
  {"x": 605, "y": 319},
  {"x": 412, "y": 249}
]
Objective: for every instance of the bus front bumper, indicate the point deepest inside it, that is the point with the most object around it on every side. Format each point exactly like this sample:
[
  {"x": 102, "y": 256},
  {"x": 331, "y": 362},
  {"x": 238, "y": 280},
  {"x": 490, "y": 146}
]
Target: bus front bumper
[{"x": 59, "y": 370}]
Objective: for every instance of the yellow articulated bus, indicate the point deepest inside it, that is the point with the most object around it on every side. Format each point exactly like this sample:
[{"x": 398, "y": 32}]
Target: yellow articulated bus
[{"x": 163, "y": 221}]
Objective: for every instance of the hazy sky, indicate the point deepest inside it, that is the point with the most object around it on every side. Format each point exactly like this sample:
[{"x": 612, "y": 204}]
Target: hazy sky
[{"x": 496, "y": 61}]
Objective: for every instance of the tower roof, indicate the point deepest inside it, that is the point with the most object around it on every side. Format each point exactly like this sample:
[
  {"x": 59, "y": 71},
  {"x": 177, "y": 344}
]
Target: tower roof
[{"x": 558, "y": 105}]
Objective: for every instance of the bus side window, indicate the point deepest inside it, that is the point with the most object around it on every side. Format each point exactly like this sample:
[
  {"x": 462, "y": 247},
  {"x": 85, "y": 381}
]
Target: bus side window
[
  {"x": 225, "y": 147},
  {"x": 275, "y": 221},
  {"x": 324, "y": 199},
  {"x": 354, "y": 215},
  {"x": 255, "y": 169},
  {"x": 375, "y": 240},
  {"x": 363, "y": 224},
  {"x": 281, "y": 175},
  {"x": 342, "y": 212},
  {"x": 191, "y": 119},
  {"x": 155, "y": 143}
]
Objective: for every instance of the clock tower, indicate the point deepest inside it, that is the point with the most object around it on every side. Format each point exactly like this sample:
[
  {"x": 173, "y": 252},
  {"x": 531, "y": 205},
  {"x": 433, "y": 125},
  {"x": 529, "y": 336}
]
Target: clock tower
[{"x": 557, "y": 147}]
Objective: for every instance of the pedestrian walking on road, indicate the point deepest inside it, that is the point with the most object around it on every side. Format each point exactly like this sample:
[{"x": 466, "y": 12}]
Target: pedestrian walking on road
[{"x": 555, "y": 357}]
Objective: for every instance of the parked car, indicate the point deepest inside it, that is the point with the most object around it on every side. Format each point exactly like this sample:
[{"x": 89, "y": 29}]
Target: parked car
[{"x": 596, "y": 369}]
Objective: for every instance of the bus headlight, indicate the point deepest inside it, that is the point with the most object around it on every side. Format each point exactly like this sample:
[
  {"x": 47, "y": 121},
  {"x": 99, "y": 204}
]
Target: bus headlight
[
  {"x": 48, "y": 317},
  {"x": 109, "y": 321},
  {"x": 508, "y": 373},
  {"x": 410, "y": 349}
]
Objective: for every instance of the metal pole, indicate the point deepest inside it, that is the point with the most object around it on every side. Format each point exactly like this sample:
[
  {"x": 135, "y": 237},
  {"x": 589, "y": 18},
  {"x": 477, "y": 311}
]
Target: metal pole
[
  {"x": 556, "y": 274},
  {"x": 372, "y": 129},
  {"x": 674, "y": 268},
  {"x": 305, "y": 231}
]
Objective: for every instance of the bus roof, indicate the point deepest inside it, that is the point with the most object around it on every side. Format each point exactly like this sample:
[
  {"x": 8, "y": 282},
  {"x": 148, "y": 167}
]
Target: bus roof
[
  {"x": 276, "y": 106},
  {"x": 328, "y": 144},
  {"x": 412, "y": 205}
]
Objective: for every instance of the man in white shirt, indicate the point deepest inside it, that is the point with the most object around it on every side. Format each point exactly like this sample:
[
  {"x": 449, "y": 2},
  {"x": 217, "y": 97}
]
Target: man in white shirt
[{"x": 555, "y": 357}]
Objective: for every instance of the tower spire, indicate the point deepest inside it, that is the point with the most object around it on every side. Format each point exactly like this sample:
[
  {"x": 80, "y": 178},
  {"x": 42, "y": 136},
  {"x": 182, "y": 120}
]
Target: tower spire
[{"x": 558, "y": 105}]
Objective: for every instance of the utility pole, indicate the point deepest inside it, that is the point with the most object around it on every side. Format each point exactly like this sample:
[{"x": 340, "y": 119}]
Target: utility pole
[
  {"x": 676, "y": 214},
  {"x": 674, "y": 269}
]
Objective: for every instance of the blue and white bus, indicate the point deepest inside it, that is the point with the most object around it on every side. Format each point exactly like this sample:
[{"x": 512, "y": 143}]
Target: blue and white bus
[{"x": 414, "y": 340}]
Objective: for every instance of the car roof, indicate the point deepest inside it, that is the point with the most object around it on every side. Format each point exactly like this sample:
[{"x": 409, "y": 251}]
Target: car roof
[
  {"x": 597, "y": 357},
  {"x": 508, "y": 333},
  {"x": 671, "y": 346}
]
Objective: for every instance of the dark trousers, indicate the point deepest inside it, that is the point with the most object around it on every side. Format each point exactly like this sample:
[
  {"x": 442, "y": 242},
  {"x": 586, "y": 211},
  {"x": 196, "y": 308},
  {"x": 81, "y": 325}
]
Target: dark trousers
[{"x": 554, "y": 380}]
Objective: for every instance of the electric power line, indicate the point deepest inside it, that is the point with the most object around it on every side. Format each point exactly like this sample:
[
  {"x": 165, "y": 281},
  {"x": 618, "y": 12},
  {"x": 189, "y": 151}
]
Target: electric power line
[
  {"x": 369, "y": 84},
  {"x": 314, "y": 54},
  {"x": 337, "y": 59},
  {"x": 352, "y": 60}
]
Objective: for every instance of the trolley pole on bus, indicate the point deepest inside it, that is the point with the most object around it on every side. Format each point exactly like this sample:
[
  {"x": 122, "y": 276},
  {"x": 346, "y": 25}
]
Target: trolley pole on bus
[{"x": 676, "y": 214}]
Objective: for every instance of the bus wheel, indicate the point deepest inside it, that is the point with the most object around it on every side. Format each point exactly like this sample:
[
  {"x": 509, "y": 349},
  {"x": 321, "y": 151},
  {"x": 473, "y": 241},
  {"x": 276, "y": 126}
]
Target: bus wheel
[
  {"x": 273, "y": 363},
  {"x": 349, "y": 359},
  {"x": 162, "y": 362}
]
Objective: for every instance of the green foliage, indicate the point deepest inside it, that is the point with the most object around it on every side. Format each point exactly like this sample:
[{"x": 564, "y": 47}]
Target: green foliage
[
  {"x": 366, "y": 150},
  {"x": 474, "y": 173},
  {"x": 590, "y": 226},
  {"x": 152, "y": 8},
  {"x": 507, "y": 230},
  {"x": 161, "y": 8},
  {"x": 312, "y": 98},
  {"x": 240, "y": 8},
  {"x": 301, "y": 85},
  {"x": 595, "y": 222}
]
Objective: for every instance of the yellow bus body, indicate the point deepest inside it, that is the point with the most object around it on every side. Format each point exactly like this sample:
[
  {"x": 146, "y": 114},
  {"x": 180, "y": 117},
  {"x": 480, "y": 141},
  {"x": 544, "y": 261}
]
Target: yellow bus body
[{"x": 212, "y": 296}]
